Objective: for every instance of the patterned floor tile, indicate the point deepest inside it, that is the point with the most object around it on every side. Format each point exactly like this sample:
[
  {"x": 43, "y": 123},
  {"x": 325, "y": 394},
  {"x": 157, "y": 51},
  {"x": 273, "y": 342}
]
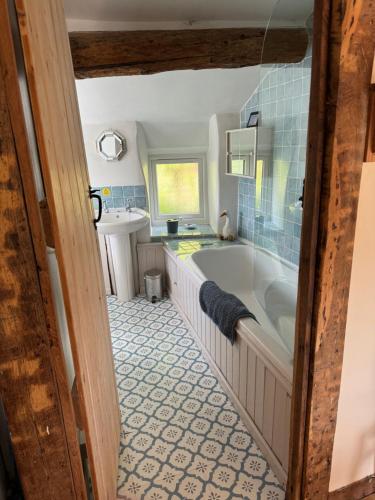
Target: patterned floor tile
[{"x": 181, "y": 437}]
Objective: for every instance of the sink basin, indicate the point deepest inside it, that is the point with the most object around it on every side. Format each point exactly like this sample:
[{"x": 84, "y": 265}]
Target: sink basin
[{"x": 123, "y": 222}]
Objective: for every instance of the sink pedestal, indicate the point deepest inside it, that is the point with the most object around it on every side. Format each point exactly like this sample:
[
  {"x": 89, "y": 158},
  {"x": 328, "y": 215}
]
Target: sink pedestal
[
  {"x": 122, "y": 266},
  {"x": 121, "y": 228}
]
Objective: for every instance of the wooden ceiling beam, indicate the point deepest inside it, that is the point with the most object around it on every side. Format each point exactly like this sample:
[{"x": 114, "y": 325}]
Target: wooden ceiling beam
[{"x": 116, "y": 53}]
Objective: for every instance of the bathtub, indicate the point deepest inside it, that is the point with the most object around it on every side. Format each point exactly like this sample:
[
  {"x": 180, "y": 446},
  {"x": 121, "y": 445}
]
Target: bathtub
[
  {"x": 256, "y": 372},
  {"x": 265, "y": 285}
]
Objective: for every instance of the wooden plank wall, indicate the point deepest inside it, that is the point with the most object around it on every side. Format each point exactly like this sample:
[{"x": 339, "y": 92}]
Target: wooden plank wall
[
  {"x": 31, "y": 366},
  {"x": 55, "y": 110},
  {"x": 261, "y": 394}
]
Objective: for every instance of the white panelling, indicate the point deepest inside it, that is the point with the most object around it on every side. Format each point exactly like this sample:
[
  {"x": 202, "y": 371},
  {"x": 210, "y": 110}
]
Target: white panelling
[
  {"x": 151, "y": 256},
  {"x": 259, "y": 393},
  {"x": 236, "y": 368},
  {"x": 269, "y": 406},
  {"x": 257, "y": 388},
  {"x": 104, "y": 260},
  {"x": 229, "y": 361},
  {"x": 223, "y": 355},
  {"x": 243, "y": 374},
  {"x": 251, "y": 366},
  {"x": 279, "y": 421}
]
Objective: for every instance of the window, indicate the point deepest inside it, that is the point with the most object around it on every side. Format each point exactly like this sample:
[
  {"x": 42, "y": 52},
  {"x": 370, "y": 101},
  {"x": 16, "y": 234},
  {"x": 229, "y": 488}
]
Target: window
[
  {"x": 177, "y": 189},
  {"x": 240, "y": 165},
  {"x": 263, "y": 186},
  {"x": 258, "y": 185}
]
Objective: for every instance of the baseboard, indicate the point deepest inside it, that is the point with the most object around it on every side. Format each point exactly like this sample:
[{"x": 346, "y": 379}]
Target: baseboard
[
  {"x": 249, "y": 424},
  {"x": 363, "y": 488}
]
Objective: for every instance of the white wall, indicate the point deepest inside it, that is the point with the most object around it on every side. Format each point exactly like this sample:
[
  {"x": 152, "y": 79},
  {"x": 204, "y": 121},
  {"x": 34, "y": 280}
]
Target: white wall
[
  {"x": 176, "y": 135},
  {"x": 354, "y": 445},
  {"x": 173, "y": 110},
  {"x": 125, "y": 172},
  {"x": 173, "y": 107},
  {"x": 143, "y": 153},
  {"x": 222, "y": 188},
  {"x": 212, "y": 173}
]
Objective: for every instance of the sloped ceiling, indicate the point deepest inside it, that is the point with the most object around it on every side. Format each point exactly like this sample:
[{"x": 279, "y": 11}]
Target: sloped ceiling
[
  {"x": 187, "y": 13},
  {"x": 174, "y": 108}
]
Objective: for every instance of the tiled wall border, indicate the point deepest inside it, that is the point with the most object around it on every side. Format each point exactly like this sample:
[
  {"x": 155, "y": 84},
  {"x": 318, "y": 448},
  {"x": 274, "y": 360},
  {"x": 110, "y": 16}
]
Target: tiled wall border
[{"x": 122, "y": 196}]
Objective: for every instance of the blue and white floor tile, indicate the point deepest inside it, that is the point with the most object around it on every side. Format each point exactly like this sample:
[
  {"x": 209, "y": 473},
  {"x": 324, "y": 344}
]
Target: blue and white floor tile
[{"x": 181, "y": 437}]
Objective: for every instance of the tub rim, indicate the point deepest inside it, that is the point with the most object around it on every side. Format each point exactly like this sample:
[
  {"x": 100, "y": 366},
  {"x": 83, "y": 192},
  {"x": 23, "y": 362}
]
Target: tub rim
[{"x": 250, "y": 331}]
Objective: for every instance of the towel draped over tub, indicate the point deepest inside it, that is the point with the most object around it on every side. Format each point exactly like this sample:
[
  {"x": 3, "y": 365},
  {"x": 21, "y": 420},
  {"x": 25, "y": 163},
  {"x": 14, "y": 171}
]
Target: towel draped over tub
[{"x": 225, "y": 309}]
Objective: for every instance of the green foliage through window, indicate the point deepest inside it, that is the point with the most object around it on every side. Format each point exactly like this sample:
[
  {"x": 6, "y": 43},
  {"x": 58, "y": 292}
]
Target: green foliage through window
[
  {"x": 238, "y": 166},
  {"x": 259, "y": 185},
  {"x": 178, "y": 188}
]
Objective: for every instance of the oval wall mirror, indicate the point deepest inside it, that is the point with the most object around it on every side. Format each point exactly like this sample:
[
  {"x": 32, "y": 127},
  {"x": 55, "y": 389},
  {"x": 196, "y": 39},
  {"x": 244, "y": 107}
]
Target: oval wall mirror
[{"x": 111, "y": 145}]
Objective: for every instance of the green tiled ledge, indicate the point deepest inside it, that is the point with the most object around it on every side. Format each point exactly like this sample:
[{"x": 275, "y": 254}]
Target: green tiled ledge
[
  {"x": 159, "y": 233},
  {"x": 185, "y": 247}
]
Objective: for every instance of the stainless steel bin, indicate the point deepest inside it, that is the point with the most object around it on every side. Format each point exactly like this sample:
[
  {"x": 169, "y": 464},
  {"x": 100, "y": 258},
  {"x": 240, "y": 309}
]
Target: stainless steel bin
[{"x": 153, "y": 285}]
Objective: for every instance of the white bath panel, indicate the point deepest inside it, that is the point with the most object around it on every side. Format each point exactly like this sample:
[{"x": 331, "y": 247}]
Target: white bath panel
[{"x": 258, "y": 384}]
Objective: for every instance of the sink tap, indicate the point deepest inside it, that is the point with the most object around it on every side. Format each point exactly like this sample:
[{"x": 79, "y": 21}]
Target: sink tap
[
  {"x": 128, "y": 207},
  {"x": 105, "y": 208}
]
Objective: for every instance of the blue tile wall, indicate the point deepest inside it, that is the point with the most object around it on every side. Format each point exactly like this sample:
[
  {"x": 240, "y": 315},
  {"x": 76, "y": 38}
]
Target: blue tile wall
[
  {"x": 122, "y": 196},
  {"x": 282, "y": 98}
]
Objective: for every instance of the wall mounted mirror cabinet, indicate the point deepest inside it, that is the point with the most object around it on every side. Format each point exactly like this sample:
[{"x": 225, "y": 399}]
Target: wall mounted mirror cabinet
[
  {"x": 241, "y": 152},
  {"x": 243, "y": 145}
]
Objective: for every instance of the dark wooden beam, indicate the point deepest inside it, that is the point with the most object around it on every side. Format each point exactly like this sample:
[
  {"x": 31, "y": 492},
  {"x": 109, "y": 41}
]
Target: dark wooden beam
[
  {"x": 115, "y": 53},
  {"x": 370, "y": 138},
  {"x": 339, "y": 106},
  {"x": 365, "y": 488}
]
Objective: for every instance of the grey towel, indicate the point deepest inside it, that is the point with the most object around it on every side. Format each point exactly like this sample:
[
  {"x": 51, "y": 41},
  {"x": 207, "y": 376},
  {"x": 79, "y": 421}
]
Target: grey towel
[{"x": 225, "y": 309}]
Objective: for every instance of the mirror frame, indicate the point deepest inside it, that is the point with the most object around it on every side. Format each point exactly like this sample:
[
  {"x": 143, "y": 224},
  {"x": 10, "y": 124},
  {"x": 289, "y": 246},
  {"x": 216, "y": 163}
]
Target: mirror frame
[
  {"x": 252, "y": 162},
  {"x": 118, "y": 137}
]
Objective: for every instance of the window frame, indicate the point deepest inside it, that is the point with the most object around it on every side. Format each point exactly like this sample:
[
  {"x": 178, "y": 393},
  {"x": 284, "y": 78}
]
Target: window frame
[{"x": 156, "y": 217}]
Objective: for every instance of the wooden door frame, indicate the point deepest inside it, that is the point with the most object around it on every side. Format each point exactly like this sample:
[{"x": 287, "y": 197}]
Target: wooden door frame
[
  {"x": 343, "y": 52},
  {"x": 333, "y": 173}
]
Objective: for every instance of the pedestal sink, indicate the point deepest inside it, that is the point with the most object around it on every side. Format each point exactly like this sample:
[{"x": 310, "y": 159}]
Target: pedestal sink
[{"x": 118, "y": 226}]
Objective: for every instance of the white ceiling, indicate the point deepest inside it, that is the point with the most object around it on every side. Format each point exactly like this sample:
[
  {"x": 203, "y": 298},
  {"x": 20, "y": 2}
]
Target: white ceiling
[
  {"x": 173, "y": 107},
  {"x": 91, "y": 14},
  {"x": 182, "y": 96}
]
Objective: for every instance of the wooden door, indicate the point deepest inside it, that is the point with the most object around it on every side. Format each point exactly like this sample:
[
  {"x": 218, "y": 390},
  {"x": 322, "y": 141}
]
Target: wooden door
[
  {"x": 33, "y": 383},
  {"x": 56, "y": 117}
]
